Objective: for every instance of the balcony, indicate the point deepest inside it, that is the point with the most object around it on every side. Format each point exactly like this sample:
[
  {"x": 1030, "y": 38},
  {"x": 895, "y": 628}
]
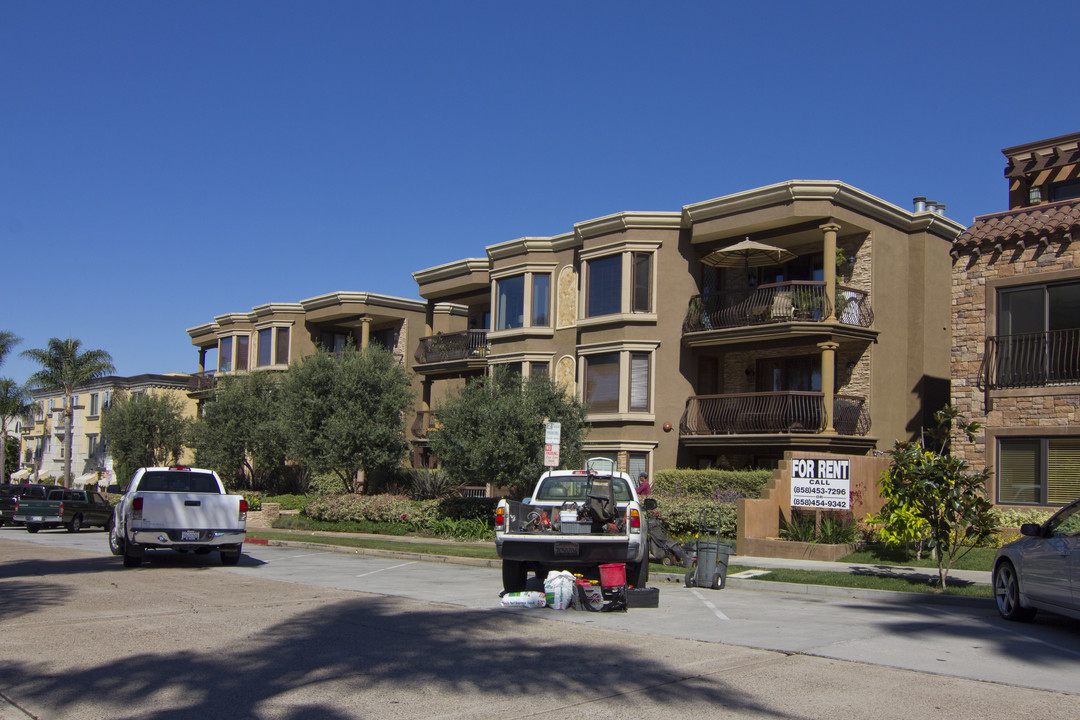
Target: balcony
[
  {"x": 786, "y": 302},
  {"x": 1032, "y": 360},
  {"x": 772, "y": 413},
  {"x": 202, "y": 384},
  {"x": 466, "y": 348}
]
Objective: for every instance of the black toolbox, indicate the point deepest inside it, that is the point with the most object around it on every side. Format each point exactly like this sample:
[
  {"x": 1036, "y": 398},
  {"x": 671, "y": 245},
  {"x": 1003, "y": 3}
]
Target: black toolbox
[{"x": 646, "y": 597}]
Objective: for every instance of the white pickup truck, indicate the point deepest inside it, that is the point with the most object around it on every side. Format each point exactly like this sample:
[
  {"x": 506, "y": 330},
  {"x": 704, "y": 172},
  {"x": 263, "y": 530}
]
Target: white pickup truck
[
  {"x": 575, "y": 520},
  {"x": 178, "y": 508}
]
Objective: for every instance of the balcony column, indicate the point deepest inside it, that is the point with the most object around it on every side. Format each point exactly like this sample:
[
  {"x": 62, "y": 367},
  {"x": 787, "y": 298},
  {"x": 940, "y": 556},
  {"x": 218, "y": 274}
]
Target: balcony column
[
  {"x": 365, "y": 332},
  {"x": 202, "y": 361},
  {"x": 830, "y": 229},
  {"x": 828, "y": 382}
]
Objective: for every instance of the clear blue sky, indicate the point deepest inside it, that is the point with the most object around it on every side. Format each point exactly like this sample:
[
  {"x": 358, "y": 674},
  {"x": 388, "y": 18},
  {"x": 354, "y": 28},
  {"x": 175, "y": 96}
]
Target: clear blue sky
[{"x": 165, "y": 162}]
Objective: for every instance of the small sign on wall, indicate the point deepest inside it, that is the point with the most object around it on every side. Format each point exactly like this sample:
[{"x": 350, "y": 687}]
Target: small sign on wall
[{"x": 821, "y": 483}]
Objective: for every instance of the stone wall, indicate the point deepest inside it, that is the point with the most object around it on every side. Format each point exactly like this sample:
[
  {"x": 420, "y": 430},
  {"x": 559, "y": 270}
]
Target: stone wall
[{"x": 976, "y": 278}]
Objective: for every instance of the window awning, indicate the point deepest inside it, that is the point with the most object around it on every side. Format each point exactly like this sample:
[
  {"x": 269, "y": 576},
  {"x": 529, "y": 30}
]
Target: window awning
[
  {"x": 81, "y": 480},
  {"x": 21, "y": 474}
]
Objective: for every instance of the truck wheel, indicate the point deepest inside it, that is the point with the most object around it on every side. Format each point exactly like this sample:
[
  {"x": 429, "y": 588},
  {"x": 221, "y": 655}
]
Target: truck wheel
[
  {"x": 230, "y": 557},
  {"x": 131, "y": 560},
  {"x": 75, "y": 525},
  {"x": 116, "y": 545},
  {"x": 31, "y": 528},
  {"x": 514, "y": 576}
]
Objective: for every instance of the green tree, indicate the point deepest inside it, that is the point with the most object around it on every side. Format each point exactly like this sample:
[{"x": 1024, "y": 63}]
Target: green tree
[
  {"x": 10, "y": 454},
  {"x": 64, "y": 368},
  {"x": 932, "y": 495},
  {"x": 15, "y": 404},
  {"x": 345, "y": 412},
  {"x": 240, "y": 434},
  {"x": 144, "y": 430},
  {"x": 492, "y": 431}
]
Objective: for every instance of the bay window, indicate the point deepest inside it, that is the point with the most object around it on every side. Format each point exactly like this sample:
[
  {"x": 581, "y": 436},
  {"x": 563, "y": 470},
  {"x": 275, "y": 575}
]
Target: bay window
[
  {"x": 522, "y": 300},
  {"x": 273, "y": 346},
  {"x": 619, "y": 283},
  {"x": 618, "y": 380}
]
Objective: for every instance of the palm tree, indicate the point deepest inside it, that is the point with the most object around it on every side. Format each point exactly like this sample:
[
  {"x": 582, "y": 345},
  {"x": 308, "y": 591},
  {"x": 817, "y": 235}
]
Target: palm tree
[
  {"x": 64, "y": 368},
  {"x": 15, "y": 404},
  {"x": 8, "y": 340}
]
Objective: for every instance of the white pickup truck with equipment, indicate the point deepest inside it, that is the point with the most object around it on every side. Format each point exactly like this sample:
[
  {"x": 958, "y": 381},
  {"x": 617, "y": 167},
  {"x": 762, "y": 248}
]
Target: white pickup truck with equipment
[
  {"x": 178, "y": 508},
  {"x": 575, "y": 520}
]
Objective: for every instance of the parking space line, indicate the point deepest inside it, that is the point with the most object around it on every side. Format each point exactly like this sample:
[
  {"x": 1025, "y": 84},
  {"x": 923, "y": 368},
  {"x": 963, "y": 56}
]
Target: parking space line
[
  {"x": 294, "y": 557},
  {"x": 716, "y": 611},
  {"x": 388, "y": 568}
]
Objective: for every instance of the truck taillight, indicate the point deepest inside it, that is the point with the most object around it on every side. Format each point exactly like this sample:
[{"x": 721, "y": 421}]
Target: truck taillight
[
  {"x": 61, "y": 509},
  {"x": 500, "y": 518},
  {"x": 136, "y": 507},
  {"x": 635, "y": 519},
  {"x": 243, "y": 509}
]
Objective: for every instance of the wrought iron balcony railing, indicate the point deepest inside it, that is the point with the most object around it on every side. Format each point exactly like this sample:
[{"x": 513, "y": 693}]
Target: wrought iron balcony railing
[
  {"x": 447, "y": 347},
  {"x": 1032, "y": 359},
  {"x": 772, "y": 413},
  {"x": 795, "y": 301}
]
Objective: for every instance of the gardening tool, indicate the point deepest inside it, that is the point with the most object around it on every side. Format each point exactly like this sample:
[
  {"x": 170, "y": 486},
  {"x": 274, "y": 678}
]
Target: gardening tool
[{"x": 710, "y": 568}]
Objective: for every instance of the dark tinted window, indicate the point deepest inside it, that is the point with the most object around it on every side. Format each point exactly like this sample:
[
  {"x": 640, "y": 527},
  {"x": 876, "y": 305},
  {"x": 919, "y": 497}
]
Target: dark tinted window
[{"x": 178, "y": 481}]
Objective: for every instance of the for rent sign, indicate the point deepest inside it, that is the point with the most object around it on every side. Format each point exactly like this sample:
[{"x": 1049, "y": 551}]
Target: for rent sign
[{"x": 822, "y": 484}]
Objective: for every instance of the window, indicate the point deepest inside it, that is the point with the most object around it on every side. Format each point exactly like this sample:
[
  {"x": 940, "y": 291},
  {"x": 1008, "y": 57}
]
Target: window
[
  {"x": 637, "y": 463},
  {"x": 225, "y": 354},
  {"x": 1038, "y": 335},
  {"x": 93, "y": 404},
  {"x": 618, "y": 380},
  {"x": 265, "y": 355},
  {"x": 642, "y": 300},
  {"x": 510, "y": 302},
  {"x": 241, "y": 352},
  {"x": 602, "y": 382},
  {"x": 604, "y": 286},
  {"x": 92, "y": 445},
  {"x": 281, "y": 346},
  {"x": 1038, "y": 471},
  {"x": 791, "y": 374},
  {"x": 334, "y": 341},
  {"x": 541, "y": 294},
  {"x": 273, "y": 346},
  {"x": 1067, "y": 190},
  {"x": 639, "y": 382},
  {"x": 537, "y": 369}
]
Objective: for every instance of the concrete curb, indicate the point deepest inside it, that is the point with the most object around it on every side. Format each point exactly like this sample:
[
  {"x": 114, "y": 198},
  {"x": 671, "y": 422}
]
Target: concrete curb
[{"x": 733, "y": 583}]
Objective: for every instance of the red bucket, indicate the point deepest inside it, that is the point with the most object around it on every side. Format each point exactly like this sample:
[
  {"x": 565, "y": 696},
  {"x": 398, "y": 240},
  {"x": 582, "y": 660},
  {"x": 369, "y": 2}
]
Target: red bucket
[{"x": 613, "y": 575}]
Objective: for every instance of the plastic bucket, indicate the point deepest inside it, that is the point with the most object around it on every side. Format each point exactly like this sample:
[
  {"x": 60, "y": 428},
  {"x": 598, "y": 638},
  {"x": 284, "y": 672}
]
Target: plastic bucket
[{"x": 613, "y": 575}]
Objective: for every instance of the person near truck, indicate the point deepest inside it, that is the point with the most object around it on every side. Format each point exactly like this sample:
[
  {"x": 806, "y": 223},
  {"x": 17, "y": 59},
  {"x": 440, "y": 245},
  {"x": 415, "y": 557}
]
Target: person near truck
[{"x": 643, "y": 486}]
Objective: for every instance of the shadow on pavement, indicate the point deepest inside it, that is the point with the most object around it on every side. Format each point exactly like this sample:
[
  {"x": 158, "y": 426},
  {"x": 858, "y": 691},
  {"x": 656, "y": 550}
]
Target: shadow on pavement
[{"x": 376, "y": 653}]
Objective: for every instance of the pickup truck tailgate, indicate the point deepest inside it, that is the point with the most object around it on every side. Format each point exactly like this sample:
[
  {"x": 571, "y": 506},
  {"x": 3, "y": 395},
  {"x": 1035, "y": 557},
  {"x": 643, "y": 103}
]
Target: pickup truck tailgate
[{"x": 189, "y": 511}]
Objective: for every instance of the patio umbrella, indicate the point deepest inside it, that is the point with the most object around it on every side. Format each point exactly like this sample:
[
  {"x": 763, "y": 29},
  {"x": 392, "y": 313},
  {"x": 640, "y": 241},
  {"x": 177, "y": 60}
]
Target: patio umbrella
[{"x": 748, "y": 254}]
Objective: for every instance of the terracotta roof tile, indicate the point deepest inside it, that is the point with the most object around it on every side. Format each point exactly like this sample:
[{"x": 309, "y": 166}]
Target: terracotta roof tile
[{"x": 1053, "y": 222}]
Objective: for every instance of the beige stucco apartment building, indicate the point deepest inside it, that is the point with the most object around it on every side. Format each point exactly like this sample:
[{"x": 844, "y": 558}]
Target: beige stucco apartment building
[
  {"x": 840, "y": 344},
  {"x": 1016, "y": 327},
  {"x": 687, "y": 355}
]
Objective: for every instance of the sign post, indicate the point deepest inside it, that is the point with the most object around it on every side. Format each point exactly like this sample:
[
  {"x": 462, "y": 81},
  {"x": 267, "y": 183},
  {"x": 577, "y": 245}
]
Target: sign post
[{"x": 552, "y": 436}]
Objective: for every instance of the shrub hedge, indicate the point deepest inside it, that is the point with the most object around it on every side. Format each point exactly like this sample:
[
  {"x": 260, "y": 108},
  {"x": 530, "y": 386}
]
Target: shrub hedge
[
  {"x": 681, "y": 516},
  {"x": 726, "y": 485}
]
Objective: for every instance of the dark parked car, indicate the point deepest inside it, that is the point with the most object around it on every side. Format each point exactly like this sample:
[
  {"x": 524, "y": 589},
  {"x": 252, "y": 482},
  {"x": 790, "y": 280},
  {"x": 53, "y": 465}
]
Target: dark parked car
[
  {"x": 1041, "y": 570},
  {"x": 8, "y": 494}
]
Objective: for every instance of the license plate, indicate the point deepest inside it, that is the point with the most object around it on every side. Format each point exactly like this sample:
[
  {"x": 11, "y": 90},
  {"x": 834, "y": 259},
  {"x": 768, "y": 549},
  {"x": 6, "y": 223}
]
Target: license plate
[
  {"x": 189, "y": 535},
  {"x": 567, "y": 549},
  {"x": 35, "y": 518}
]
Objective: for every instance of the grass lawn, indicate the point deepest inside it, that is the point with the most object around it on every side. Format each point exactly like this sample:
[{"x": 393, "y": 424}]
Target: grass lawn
[{"x": 980, "y": 558}]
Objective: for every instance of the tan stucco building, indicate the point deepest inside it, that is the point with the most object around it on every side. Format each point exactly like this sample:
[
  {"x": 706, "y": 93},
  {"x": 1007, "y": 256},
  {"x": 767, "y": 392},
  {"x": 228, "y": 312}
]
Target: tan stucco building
[
  {"x": 1016, "y": 328},
  {"x": 842, "y": 344}
]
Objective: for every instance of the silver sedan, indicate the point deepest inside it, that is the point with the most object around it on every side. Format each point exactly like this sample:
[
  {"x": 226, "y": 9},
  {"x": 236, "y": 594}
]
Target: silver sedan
[{"x": 1041, "y": 570}]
